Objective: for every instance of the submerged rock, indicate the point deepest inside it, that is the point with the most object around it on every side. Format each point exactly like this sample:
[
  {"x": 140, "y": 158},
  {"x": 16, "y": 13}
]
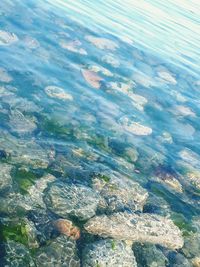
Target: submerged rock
[
  {"x": 23, "y": 151},
  {"x": 135, "y": 127},
  {"x": 17, "y": 255},
  {"x": 92, "y": 78},
  {"x": 4, "y": 76},
  {"x": 167, "y": 77},
  {"x": 57, "y": 92},
  {"x": 7, "y": 38},
  {"x": 120, "y": 193},
  {"x": 108, "y": 252},
  {"x": 194, "y": 177},
  {"x": 73, "y": 46},
  {"x": 5, "y": 177},
  {"x": 21, "y": 124},
  {"x": 15, "y": 204},
  {"x": 102, "y": 43},
  {"x": 191, "y": 247},
  {"x": 31, "y": 42},
  {"x": 137, "y": 228},
  {"x": 178, "y": 260},
  {"x": 147, "y": 255},
  {"x": 72, "y": 200},
  {"x": 111, "y": 60},
  {"x": 169, "y": 177},
  {"x": 36, "y": 191},
  {"x": 61, "y": 251}
]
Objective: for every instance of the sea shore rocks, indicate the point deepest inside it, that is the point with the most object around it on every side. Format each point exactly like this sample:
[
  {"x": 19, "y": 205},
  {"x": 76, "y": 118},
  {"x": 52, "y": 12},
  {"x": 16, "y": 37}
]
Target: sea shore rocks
[
  {"x": 59, "y": 252},
  {"x": 119, "y": 193},
  {"x": 108, "y": 252},
  {"x": 137, "y": 228},
  {"x": 72, "y": 200}
]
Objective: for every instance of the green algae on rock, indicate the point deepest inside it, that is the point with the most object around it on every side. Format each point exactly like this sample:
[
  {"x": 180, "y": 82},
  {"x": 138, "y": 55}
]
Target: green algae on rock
[
  {"x": 137, "y": 228},
  {"x": 108, "y": 252}
]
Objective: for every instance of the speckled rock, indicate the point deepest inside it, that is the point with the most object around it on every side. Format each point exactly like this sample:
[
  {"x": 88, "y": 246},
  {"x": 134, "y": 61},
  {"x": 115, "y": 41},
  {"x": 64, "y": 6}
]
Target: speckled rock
[
  {"x": 191, "y": 247},
  {"x": 60, "y": 252},
  {"x": 108, "y": 252},
  {"x": 137, "y": 228},
  {"x": 120, "y": 193},
  {"x": 147, "y": 255},
  {"x": 36, "y": 191},
  {"x": 5, "y": 177},
  {"x": 14, "y": 204},
  {"x": 17, "y": 255},
  {"x": 24, "y": 152},
  {"x": 72, "y": 200}
]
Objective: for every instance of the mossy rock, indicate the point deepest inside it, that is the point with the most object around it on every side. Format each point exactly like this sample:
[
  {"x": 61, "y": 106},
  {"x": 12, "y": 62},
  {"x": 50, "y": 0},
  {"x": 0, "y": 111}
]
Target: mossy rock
[
  {"x": 15, "y": 232},
  {"x": 25, "y": 179}
]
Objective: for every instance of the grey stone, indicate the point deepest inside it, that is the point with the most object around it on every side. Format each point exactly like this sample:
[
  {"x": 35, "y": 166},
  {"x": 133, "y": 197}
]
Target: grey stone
[
  {"x": 61, "y": 251},
  {"x": 141, "y": 228},
  {"x": 108, "y": 252},
  {"x": 119, "y": 193},
  {"x": 17, "y": 255},
  {"x": 5, "y": 177},
  {"x": 147, "y": 255},
  {"x": 72, "y": 200}
]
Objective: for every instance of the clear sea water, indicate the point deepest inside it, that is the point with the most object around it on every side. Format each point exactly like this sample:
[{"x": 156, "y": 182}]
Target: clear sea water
[{"x": 102, "y": 86}]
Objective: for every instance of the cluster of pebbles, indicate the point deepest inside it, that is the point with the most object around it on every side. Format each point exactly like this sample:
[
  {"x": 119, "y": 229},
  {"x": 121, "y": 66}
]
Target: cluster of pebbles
[{"x": 107, "y": 214}]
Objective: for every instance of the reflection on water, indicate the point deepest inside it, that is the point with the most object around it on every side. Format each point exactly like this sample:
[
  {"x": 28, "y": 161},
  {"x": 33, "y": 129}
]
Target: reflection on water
[{"x": 99, "y": 133}]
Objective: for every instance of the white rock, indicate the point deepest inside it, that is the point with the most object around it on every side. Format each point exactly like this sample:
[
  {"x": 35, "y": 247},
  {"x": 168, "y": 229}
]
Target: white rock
[{"x": 57, "y": 92}]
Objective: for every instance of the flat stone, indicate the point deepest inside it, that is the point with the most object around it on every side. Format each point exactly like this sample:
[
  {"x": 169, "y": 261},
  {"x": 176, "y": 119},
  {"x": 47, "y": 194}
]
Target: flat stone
[
  {"x": 7, "y": 38},
  {"x": 102, "y": 43},
  {"x": 120, "y": 193},
  {"x": 108, "y": 252},
  {"x": 72, "y": 200},
  {"x": 57, "y": 92},
  {"x": 141, "y": 228},
  {"x": 92, "y": 78}
]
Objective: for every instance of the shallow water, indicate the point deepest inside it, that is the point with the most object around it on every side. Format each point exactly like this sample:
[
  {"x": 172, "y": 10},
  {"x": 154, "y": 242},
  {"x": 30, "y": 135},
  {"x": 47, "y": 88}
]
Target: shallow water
[{"x": 107, "y": 88}]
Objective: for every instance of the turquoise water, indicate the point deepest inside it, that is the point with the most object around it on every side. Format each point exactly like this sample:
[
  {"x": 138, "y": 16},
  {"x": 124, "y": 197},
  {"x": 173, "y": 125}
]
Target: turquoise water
[{"x": 104, "y": 87}]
